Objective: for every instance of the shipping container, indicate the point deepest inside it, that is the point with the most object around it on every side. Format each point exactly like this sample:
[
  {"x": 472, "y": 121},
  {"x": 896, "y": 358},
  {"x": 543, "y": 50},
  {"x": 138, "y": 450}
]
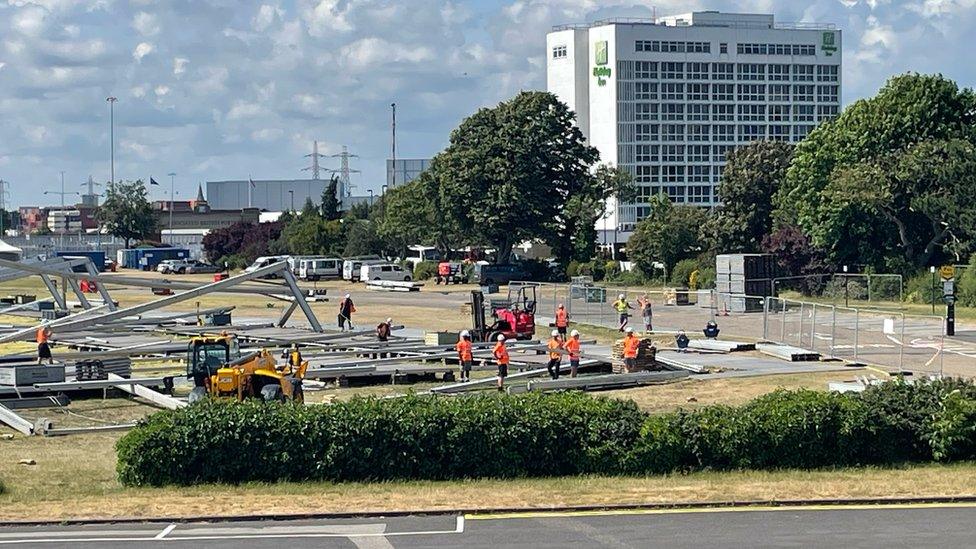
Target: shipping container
[
  {"x": 97, "y": 258},
  {"x": 146, "y": 259}
]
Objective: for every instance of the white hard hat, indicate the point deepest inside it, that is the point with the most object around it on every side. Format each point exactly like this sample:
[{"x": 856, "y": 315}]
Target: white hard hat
[
  {"x": 389, "y": 320},
  {"x": 560, "y": 306},
  {"x": 347, "y": 296},
  {"x": 574, "y": 333},
  {"x": 629, "y": 330},
  {"x": 621, "y": 296},
  {"x": 501, "y": 337},
  {"x": 555, "y": 333},
  {"x": 465, "y": 333}
]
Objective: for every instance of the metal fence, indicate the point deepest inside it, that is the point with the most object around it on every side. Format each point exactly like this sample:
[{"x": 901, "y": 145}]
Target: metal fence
[
  {"x": 858, "y": 334},
  {"x": 843, "y": 287}
]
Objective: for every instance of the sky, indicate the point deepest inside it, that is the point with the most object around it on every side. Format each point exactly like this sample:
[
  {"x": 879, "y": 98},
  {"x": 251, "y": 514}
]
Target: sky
[{"x": 224, "y": 89}]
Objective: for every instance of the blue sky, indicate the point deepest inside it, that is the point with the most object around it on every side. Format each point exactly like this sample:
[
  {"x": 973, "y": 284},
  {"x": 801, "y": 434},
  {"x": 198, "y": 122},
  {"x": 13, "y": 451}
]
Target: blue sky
[{"x": 219, "y": 89}]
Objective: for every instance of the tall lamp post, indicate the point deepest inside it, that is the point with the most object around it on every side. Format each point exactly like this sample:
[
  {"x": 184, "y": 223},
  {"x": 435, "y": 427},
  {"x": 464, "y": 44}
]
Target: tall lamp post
[
  {"x": 370, "y": 197},
  {"x": 111, "y": 110},
  {"x": 291, "y": 194},
  {"x": 172, "y": 186},
  {"x": 932, "y": 270},
  {"x": 846, "y": 288}
]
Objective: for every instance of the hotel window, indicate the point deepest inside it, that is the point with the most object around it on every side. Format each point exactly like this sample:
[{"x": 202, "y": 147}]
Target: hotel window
[
  {"x": 697, "y": 111},
  {"x": 673, "y": 174},
  {"x": 723, "y": 48},
  {"x": 827, "y": 73},
  {"x": 697, "y": 92},
  {"x": 642, "y": 45},
  {"x": 826, "y": 112},
  {"x": 779, "y": 113},
  {"x": 645, "y": 70},
  {"x": 801, "y": 131},
  {"x": 698, "y": 71},
  {"x": 699, "y": 174},
  {"x": 646, "y": 111},
  {"x": 559, "y": 52},
  {"x": 675, "y": 193},
  {"x": 754, "y": 113},
  {"x": 751, "y": 92},
  {"x": 803, "y": 73},
  {"x": 698, "y": 132},
  {"x": 751, "y": 132},
  {"x": 779, "y": 92},
  {"x": 803, "y": 92},
  {"x": 672, "y": 111},
  {"x": 719, "y": 152},
  {"x": 779, "y": 132},
  {"x": 645, "y": 90},
  {"x": 648, "y": 153},
  {"x": 803, "y": 113},
  {"x": 723, "y": 132},
  {"x": 646, "y": 132},
  {"x": 672, "y": 91},
  {"x": 723, "y": 71},
  {"x": 672, "y": 153},
  {"x": 827, "y": 93},
  {"x": 699, "y": 194},
  {"x": 723, "y": 112},
  {"x": 779, "y": 72},
  {"x": 672, "y": 132},
  {"x": 699, "y": 153},
  {"x": 672, "y": 71},
  {"x": 751, "y": 71},
  {"x": 723, "y": 92},
  {"x": 647, "y": 174}
]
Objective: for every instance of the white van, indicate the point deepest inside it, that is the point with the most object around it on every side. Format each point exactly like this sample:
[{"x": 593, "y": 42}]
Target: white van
[
  {"x": 264, "y": 261},
  {"x": 416, "y": 254},
  {"x": 351, "y": 267},
  {"x": 384, "y": 271},
  {"x": 320, "y": 268}
]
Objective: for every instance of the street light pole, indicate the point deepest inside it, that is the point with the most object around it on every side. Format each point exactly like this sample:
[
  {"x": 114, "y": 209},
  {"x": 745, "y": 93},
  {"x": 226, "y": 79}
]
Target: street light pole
[
  {"x": 846, "y": 287},
  {"x": 172, "y": 186},
  {"x": 292, "y": 195},
  {"x": 370, "y": 197},
  {"x": 111, "y": 109},
  {"x": 932, "y": 270},
  {"x": 393, "y": 106}
]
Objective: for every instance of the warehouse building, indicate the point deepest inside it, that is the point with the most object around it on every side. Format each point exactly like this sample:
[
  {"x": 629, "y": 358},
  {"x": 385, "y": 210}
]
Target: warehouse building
[{"x": 667, "y": 98}]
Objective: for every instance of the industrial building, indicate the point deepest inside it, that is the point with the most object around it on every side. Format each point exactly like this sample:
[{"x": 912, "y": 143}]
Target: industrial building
[{"x": 667, "y": 98}]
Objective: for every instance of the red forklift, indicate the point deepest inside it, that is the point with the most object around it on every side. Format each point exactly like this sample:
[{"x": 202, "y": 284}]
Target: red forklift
[{"x": 514, "y": 317}]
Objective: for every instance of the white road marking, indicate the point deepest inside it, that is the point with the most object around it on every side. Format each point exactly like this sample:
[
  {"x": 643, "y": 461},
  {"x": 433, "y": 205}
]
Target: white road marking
[{"x": 165, "y": 531}]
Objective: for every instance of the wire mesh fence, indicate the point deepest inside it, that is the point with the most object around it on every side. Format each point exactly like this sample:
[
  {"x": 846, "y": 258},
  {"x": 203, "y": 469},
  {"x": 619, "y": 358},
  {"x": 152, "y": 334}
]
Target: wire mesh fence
[{"x": 842, "y": 287}]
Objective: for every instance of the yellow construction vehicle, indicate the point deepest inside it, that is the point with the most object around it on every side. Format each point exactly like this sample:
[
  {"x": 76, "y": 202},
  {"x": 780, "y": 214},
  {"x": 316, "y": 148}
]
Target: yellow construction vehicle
[{"x": 217, "y": 369}]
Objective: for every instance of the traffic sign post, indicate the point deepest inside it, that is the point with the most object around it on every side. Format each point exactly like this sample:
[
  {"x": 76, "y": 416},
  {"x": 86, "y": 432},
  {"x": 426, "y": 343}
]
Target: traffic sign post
[{"x": 948, "y": 273}]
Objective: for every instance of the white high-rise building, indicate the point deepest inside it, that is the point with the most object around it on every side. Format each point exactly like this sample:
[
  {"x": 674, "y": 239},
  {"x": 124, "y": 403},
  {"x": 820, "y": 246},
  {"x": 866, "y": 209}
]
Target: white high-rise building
[{"x": 665, "y": 99}]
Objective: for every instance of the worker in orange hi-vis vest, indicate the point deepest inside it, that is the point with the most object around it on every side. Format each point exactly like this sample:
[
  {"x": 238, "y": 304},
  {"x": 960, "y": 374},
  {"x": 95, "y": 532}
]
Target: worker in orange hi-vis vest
[
  {"x": 562, "y": 320},
  {"x": 43, "y": 348},
  {"x": 631, "y": 344},
  {"x": 573, "y": 348},
  {"x": 465, "y": 356},
  {"x": 555, "y": 347},
  {"x": 500, "y": 352}
]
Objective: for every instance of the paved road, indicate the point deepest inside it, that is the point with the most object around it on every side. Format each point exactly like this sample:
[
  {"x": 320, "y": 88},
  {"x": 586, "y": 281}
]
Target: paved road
[{"x": 888, "y": 527}]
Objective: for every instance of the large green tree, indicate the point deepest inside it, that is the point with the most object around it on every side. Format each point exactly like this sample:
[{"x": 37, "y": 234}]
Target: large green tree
[
  {"x": 752, "y": 176},
  {"x": 127, "y": 213},
  {"x": 416, "y": 213},
  {"x": 575, "y": 233},
  {"x": 330, "y": 201},
  {"x": 312, "y": 234},
  {"x": 822, "y": 194},
  {"x": 667, "y": 235}
]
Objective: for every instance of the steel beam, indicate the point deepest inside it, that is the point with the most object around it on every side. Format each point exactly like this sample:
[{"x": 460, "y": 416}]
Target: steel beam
[
  {"x": 53, "y": 288},
  {"x": 15, "y": 421},
  {"x": 101, "y": 383},
  {"x": 102, "y": 290},
  {"x": 300, "y": 299},
  {"x": 160, "y": 399},
  {"x": 287, "y": 314}
]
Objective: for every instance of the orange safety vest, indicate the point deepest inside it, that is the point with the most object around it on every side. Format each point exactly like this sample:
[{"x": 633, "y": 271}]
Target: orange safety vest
[
  {"x": 42, "y": 335},
  {"x": 500, "y": 353},
  {"x": 555, "y": 345},
  {"x": 464, "y": 349},
  {"x": 630, "y": 346},
  {"x": 562, "y": 318},
  {"x": 573, "y": 346}
]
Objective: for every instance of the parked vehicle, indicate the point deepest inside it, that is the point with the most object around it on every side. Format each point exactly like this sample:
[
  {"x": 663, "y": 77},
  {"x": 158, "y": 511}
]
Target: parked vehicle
[
  {"x": 384, "y": 271},
  {"x": 320, "y": 268},
  {"x": 497, "y": 274},
  {"x": 185, "y": 266},
  {"x": 197, "y": 267},
  {"x": 264, "y": 261},
  {"x": 352, "y": 266},
  {"x": 168, "y": 266},
  {"x": 451, "y": 272},
  {"x": 416, "y": 254}
]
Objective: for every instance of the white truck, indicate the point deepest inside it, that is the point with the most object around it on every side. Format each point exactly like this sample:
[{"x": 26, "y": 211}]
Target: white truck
[{"x": 384, "y": 271}]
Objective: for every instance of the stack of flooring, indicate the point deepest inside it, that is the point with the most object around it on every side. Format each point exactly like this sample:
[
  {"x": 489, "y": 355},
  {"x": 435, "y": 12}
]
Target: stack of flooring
[
  {"x": 741, "y": 275},
  {"x": 100, "y": 368},
  {"x": 646, "y": 353}
]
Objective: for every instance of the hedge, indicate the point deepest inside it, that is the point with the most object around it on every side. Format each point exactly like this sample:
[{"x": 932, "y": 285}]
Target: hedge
[{"x": 535, "y": 435}]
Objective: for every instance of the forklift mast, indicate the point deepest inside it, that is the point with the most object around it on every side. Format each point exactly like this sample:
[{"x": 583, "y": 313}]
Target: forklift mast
[{"x": 477, "y": 315}]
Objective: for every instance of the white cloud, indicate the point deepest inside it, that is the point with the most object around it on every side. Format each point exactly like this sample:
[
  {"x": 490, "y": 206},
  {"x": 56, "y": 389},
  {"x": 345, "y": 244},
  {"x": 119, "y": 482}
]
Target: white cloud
[
  {"x": 161, "y": 90},
  {"x": 265, "y": 135},
  {"x": 179, "y": 65},
  {"x": 242, "y": 110},
  {"x": 146, "y": 24},
  {"x": 326, "y": 16},
  {"x": 30, "y": 20},
  {"x": 367, "y": 52},
  {"x": 265, "y": 17},
  {"x": 142, "y": 50},
  {"x": 138, "y": 91}
]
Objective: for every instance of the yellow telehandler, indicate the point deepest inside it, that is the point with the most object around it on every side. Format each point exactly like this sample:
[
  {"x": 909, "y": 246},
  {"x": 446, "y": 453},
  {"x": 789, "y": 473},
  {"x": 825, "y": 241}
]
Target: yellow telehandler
[{"x": 217, "y": 369}]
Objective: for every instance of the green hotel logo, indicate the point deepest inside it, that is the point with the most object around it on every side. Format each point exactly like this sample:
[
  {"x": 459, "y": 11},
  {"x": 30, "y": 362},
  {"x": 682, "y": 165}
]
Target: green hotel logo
[
  {"x": 828, "y": 45},
  {"x": 601, "y": 72}
]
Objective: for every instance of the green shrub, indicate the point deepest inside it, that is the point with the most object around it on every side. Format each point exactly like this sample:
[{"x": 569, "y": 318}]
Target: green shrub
[
  {"x": 632, "y": 277},
  {"x": 953, "y": 434},
  {"x": 919, "y": 289},
  {"x": 841, "y": 288},
  {"x": 681, "y": 272},
  {"x": 966, "y": 286},
  {"x": 3, "y": 487},
  {"x": 425, "y": 270},
  {"x": 595, "y": 268},
  {"x": 369, "y": 439}
]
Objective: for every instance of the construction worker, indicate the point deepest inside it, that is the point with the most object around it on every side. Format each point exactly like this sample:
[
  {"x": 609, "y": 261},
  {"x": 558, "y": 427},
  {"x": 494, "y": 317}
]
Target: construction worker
[
  {"x": 573, "y": 348},
  {"x": 465, "y": 358},
  {"x": 631, "y": 344},
  {"x": 295, "y": 356},
  {"x": 346, "y": 309},
  {"x": 383, "y": 330},
  {"x": 622, "y": 307},
  {"x": 562, "y": 320},
  {"x": 500, "y": 352},
  {"x": 555, "y": 346},
  {"x": 647, "y": 313},
  {"x": 43, "y": 349}
]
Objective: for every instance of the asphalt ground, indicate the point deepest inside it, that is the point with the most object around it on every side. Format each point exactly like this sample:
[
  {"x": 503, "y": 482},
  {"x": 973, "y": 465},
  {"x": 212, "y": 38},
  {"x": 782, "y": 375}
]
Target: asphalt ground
[{"x": 891, "y": 526}]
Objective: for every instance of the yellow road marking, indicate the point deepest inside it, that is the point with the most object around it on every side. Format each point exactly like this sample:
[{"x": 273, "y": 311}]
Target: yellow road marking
[{"x": 729, "y": 509}]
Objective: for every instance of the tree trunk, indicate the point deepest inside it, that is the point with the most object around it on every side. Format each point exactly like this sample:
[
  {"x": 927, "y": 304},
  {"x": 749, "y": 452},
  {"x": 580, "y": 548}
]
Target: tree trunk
[
  {"x": 930, "y": 247},
  {"x": 503, "y": 253}
]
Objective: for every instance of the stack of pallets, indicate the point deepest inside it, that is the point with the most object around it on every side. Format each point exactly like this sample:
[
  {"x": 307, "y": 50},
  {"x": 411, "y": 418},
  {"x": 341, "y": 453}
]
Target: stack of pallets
[
  {"x": 646, "y": 352},
  {"x": 100, "y": 368}
]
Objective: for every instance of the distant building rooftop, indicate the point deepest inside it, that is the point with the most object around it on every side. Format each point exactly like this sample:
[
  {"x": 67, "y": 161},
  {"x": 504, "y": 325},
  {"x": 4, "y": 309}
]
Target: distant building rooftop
[{"x": 705, "y": 19}]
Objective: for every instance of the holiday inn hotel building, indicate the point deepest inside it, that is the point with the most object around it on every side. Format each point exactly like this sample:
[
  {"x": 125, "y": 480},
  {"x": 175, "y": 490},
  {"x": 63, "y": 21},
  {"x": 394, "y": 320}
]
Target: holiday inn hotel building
[{"x": 666, "y": 99}]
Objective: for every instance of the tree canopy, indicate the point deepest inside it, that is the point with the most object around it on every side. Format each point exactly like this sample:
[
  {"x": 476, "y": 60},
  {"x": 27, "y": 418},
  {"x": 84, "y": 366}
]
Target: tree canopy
[
  {"x": 667, "y": 235},
  {"x": 330, "y": 200},
  {"x": 127, "y": 213}
]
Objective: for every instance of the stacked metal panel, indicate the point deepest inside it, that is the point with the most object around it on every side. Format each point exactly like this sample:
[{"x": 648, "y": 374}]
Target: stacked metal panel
[
  {"x": 100, "y": 368},
  {"x": 738, "y": 277}
]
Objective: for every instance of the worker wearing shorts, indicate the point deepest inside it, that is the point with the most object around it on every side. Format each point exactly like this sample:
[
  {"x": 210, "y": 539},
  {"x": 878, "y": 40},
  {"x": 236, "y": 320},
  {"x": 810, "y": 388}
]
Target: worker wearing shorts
[
  {"x": 555, "y": 346},
  {"x": 500, "y": 352},
  {"x": 465, "y": 356},
  {"x": 43, "y": 349},
  {"x": 562, "y": 320},
  {"x": 573, "y": 348},
  {"x": 631, "y": 343}
]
